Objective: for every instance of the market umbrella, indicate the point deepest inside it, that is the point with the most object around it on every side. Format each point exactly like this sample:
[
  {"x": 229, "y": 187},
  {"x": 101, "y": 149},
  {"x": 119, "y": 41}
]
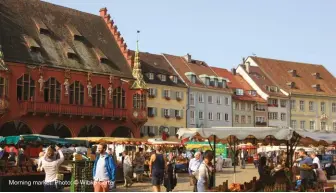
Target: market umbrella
[{"x": 232, "y": 134}]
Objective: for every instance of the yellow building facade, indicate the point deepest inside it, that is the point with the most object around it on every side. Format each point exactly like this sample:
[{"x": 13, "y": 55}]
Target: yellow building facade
[{"x": 166, "y": 99}]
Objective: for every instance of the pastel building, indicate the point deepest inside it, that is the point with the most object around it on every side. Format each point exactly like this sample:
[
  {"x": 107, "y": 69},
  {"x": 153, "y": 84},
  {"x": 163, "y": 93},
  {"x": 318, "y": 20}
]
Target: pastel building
[
  {"x": 209, "y": 100},
  {"x": 249, "y": 109},
  {"x": 167, "y": 97},
  {"x": 277, "y": 102},
  {"x": 310, "y": 88}
]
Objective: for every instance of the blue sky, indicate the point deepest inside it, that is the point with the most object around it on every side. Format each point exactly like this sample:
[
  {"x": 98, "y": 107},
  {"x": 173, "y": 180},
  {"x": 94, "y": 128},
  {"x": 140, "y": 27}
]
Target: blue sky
[{"x": 221, "y": 32}]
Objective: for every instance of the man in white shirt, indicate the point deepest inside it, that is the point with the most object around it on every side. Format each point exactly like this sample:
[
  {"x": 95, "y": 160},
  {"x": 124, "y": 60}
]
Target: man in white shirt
[
  {"x": 194, "y": 165},
  {"x": 316, "y": 160}
]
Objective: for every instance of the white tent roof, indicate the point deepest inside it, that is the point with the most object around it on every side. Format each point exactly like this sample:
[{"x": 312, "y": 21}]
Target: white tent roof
[
  {"x": 240, "y": 132},
  {"x": 162, "y": 142},
  {"x": 329, "y": 137}
]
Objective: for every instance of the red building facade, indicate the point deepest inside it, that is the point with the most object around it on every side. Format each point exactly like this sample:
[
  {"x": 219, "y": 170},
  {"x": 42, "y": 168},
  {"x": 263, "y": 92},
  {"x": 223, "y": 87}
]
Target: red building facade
[{"x": 66, "y": 73}]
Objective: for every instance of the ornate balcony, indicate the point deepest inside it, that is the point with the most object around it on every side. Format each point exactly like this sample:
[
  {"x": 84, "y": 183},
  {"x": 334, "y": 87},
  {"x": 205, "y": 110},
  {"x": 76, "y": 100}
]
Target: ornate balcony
[{"x": 71, "y": 110}]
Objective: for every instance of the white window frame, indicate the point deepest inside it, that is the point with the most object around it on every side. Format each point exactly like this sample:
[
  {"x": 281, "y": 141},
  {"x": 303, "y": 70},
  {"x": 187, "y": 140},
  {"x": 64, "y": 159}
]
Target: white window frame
[
  {"x": 199, "y": 115},
  {"x": 293, "y": 124},
  {"x": 163, "y": 78},
  {"x": 193, "y": 79},
  {"x": 302, "y": 105},
  {"x": 207, "y": 81},
  {"x": 201, "y": 97},
  {"x": 192, "y": 99},
  {"x": 166, "y": 112},
  {"x": 216, "y": 82},
  {"x": 323, "y": 126},
  {"x": 323, "y": 107},
  {"x": 192, "y": 117},
  {"x": 334, "y": 126},
  {"x": 239, "y": 92},
  {"x": 178, "y": 94},
  {"x": 311, "y": 106},
  {"x": 226, "y": 117},
  {"x": 283, "y": 103},
  {"x": 243, "y": 106},
  {"x": 174, "y": 79},
  {"x": 333, "y": 107},
  {"x": 312, "y": 125},
  {"x": 151, "y": 91},
  {"x": 237, "y": 106},
  {"x": 293, "y": 105},
  {"x": 249, "y": 106},
  {"x": 219, "y": 102},
  {"x": 226, "y": 101},
  {"x": 283, "y": 117},
  {"x": 302, "y": 124},
  {"x": 219, "y": 116},
  {"x": 273, "y": 116},
  {"x": 261, "y": 106},
  {"x": 210, "y": 116},
  {"x": 210, "y": 101},
  {"x": 151, "y": 76},
  {"x": 166, "y": 93}
]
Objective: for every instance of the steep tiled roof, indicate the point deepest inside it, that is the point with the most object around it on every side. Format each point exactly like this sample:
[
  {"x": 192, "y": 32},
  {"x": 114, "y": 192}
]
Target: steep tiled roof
[
  {"x": 196, "y": 66},
  {"x": 237, "y": 81},
  {"x": 263, "y": 81},
  {"x": 57, "y": 32},
  {"x": 157, "y": 64},
  {"x": 278, "y": 71}
]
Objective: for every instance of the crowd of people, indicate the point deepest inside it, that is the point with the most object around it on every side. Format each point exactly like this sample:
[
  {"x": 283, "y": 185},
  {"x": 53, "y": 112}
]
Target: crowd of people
[{"x": 307, "y": 166}]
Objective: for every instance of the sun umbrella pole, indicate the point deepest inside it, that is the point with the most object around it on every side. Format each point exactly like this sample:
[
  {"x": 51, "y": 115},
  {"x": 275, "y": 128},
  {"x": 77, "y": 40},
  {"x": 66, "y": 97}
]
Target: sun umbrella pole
[{"x": 214, "y": 149}]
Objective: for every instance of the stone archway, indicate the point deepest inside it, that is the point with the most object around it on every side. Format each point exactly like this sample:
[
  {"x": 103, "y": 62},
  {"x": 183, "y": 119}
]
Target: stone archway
[
  {"x": 57, "y": 129},
  {"x": 122, "y": 132},
  {"x": 15, "y": 128},
  {"x": 91, "y": 131}
]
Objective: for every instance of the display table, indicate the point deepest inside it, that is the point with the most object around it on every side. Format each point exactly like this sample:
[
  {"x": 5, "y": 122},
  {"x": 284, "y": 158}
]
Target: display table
[{"x": 25, "y": 183}]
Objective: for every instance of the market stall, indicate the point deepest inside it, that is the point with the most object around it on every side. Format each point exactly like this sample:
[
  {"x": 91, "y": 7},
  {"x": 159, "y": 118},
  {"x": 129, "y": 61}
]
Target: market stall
[
  {"x": 23, "y": 170},
  {"x": 235, "y": 134}
]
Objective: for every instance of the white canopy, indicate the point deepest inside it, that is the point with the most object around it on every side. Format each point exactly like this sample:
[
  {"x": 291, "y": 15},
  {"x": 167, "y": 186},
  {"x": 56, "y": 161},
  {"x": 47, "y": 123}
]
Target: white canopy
[
  {"x": 162, "y": 142},
  {"x": 240, "y": 132},
  {"x": 329, "y": 137}
]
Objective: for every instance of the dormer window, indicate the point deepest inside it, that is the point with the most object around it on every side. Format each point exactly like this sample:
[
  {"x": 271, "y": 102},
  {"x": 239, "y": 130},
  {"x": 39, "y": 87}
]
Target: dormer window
[
  {"x": 239, "y": 92},
  {"x": 163, "y": 78},
  {"x": 293, "y": 72},
  {"x": 253, "y": 93},
  {"x": 41, "y": 26},
  {"x": 69, "y": 51},
  {"x": 101, "y": 56},
  {"x": 291, "y": 84},
  {"x": 317, "y": 75},
  {"x": 32, "y": 44},
  {"x": 174, "y": 79},
  {"x": 272, "y": 88},
  {"x": 191, "y": 76},
  {"x": 215, "y": 82},
  {"x": 317, "y": 87},
  {"x": 207, "y": 81},
  {"x": 75, "y": 33},
  {"x": 150, "y": 76},
  {"x": 193, "y": 79}
]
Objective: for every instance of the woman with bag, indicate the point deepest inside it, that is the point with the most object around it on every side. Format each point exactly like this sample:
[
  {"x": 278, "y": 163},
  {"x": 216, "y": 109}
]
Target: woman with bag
[
  {"x": 50, "y": 166},
  {"x": 205, "y": 173},
  {"x": 170, "y": 179}
]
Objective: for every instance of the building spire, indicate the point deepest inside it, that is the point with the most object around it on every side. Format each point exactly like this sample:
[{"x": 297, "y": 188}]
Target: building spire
[{"x": 139, "y": 83}]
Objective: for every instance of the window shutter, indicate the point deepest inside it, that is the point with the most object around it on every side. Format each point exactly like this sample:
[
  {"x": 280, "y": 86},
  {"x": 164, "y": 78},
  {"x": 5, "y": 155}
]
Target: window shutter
[
  {"x": 181, "y": 113},
  {"x": 154, "y": 111},
  {"x": 156, "y": 130},
  {"x": 169, "y": 93},
  {"x": 162, "y": 112},
  {"x": 154, "y": 91},
  {"x": 163, "y": 93},
  {"x": 172, "y": 113}
]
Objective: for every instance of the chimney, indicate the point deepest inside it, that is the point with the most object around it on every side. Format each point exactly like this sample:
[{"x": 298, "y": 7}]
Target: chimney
[
  {"x": 103, "y": 12},
  {"x": 317, "y": 87},
  {"x": 233, "y": 70},
  {"x": 248, "y": 65},
  {"x": 188, "y": 58},
  {"x": 293, "y": 72}
]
